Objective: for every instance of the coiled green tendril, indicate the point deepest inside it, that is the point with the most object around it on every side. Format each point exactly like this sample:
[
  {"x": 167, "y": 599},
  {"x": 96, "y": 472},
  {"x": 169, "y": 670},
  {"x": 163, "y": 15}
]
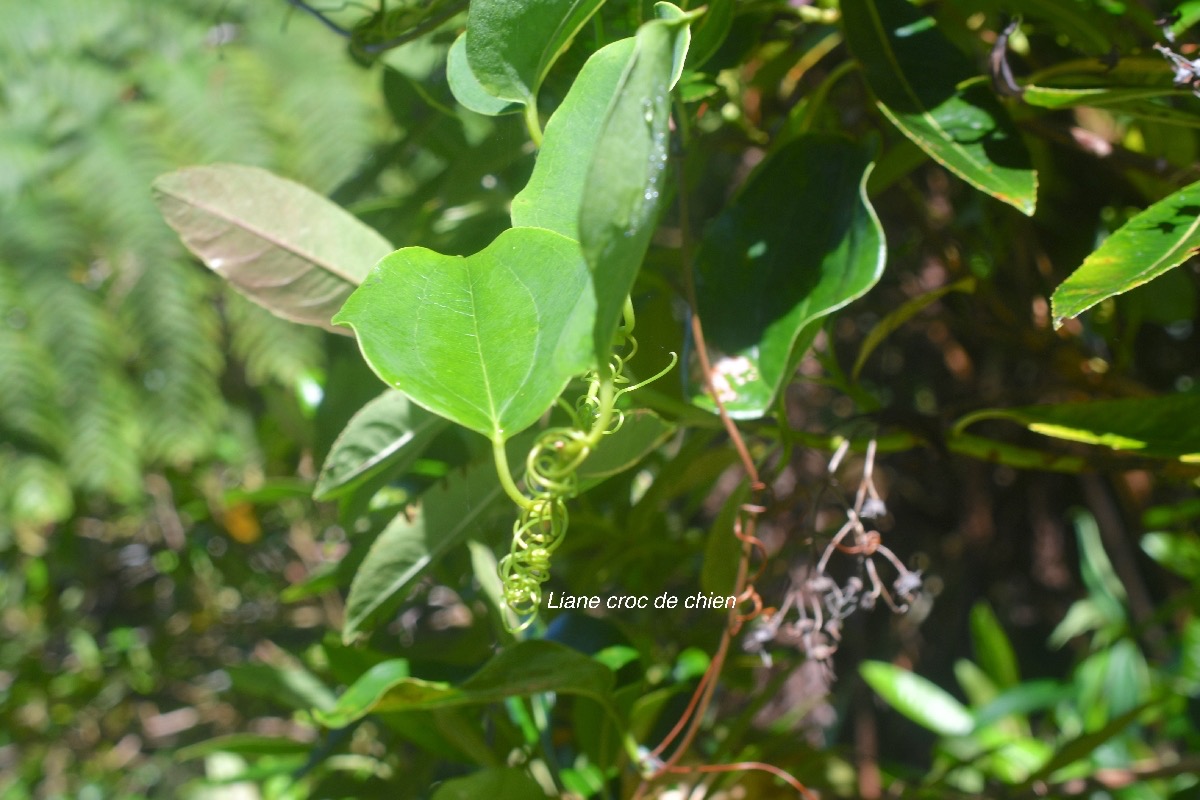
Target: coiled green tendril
[{"x": 551, "y": 474}]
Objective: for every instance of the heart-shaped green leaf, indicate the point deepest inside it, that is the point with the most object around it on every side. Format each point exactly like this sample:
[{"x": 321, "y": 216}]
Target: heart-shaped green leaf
[
  {"x": 1159, "y": 239},
  {"x": 624, "y": 180},
  {"x": 511, "y": 44},
  {"x": 488, "y": 341},
  {"x": 799, "y": 242},
  {"x": 918, "y": 78},
  {"x": 280, "y": 244},
  {"x": 1157, "y": 427},
  {"x": 387, "y": 433}
]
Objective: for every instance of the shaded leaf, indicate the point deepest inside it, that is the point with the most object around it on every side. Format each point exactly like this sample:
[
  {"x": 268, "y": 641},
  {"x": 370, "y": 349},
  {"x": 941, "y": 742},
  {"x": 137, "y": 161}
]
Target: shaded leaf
[
  {"x": 293, "y": 687},
  {"x": 919, "y": 80},
  {"x": 641, "y": 434},
  {"x": 526, "y": 668},
  {"x": 992, "y": 646},
  {"x": 1085, "y": 744},
  {"x": 799, "y": 242},
  {"x": 625, "y": 176},
  {"x": 389, "y": 432},
  {"x": 1022, "y": 699},
  {"x": 511, "y": 44},
  {"x": 462, "y": 506},
  {"x": 1157, "y": 427},
  {"x": 923, "y": 702},
  {"x": 280, "y": 244},
  {"x": 488, "y": 341},
  {"x": 496, "y": 783},
  {"x": 889, "y": 324},
  {"x": 1158, "y": 239},
  {"x": 246, "y": 744}
]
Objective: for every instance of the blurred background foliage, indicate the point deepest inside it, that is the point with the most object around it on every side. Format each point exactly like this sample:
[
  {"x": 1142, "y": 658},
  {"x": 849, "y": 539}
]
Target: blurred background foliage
[{"x": 165, "y": 578}]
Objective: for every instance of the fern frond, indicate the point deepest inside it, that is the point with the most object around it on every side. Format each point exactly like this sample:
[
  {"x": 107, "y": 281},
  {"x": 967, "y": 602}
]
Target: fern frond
[
  {"x": 29, "y": 385},
  {"x": 179, "y": 361},
  {"x": 102, "y": 452}
]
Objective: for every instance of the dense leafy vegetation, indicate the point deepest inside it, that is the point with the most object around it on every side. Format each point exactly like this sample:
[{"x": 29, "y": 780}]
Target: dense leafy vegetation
[{"x": 778, "y": 398}]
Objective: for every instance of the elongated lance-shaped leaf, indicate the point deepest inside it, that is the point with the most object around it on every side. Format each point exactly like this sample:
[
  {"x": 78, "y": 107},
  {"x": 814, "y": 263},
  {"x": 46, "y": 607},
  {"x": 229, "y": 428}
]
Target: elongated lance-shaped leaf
[
  {"x": 511, "y": 44},
  {"x": 1160, "y": 238},
  {"x": 466, "y": 504},
  {"x": 280, "y": 244},
  {"x": 389, "y": 432},
  {"x": 917, "y": 698},
  {"x": 626, "y": 172},
  {"x": 799, "y": 242},
  {"x": 1157, "y": 427},
  {"x": 526, "y": 668},
  {"x": 488, "y": 341},
  {"x": 918, "y": 78}
]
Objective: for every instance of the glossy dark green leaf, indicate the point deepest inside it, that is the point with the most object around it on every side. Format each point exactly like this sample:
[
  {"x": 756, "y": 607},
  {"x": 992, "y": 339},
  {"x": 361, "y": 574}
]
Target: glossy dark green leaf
[
  {"x": 280, "y": 244},
  {"x": 554, "y": 194},
  {"x": 461, "y": 506},
  {"x": 466, "y": 87},
  {"x": 922, "y": 701},
  {"x": 389, "y": 432},
  {"x": 918, "y": 78},
  {"x": 992, "y": 646},
  {"x": 799, "y": 241},
  {"x": 488, "y": 341},
  {"x": 1157, "y": 427},
  {"x": 1160, "y": 238},
  {"x": 511, "y": 44},
  {"x": 526, "y": 668},
  {"x": 624, "y": 181},
  {"x": 506, "y": 784}
]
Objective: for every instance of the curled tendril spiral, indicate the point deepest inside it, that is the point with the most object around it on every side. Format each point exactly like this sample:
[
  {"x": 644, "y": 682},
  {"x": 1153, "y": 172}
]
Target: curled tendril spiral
[{"x": 551, "y": 475}]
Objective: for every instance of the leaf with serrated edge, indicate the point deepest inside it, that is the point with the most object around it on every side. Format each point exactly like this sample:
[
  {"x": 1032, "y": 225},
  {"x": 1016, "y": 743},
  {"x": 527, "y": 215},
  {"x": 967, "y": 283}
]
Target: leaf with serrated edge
[
  {"x": 388, "y": 432},
  {"x": 280, "y": 244},
  {"x": 488, "y": 341},
  {"x": 918, "y": 78},
  {"x": 1158, "y": 239}
]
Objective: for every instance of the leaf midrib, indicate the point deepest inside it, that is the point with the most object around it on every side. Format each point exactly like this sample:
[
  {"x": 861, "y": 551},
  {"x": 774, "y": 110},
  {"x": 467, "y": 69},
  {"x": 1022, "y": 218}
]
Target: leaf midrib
[{"x": 254, "y": 230}]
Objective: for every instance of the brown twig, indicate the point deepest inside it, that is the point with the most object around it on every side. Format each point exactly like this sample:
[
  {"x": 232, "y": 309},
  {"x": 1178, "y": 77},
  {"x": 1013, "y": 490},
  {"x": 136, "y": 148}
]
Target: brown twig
[{"x": 744, "y": 529}]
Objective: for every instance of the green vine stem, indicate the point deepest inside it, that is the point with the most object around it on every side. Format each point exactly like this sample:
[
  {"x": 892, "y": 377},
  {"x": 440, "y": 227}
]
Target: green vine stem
[{"x": 551, "y": 473}]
